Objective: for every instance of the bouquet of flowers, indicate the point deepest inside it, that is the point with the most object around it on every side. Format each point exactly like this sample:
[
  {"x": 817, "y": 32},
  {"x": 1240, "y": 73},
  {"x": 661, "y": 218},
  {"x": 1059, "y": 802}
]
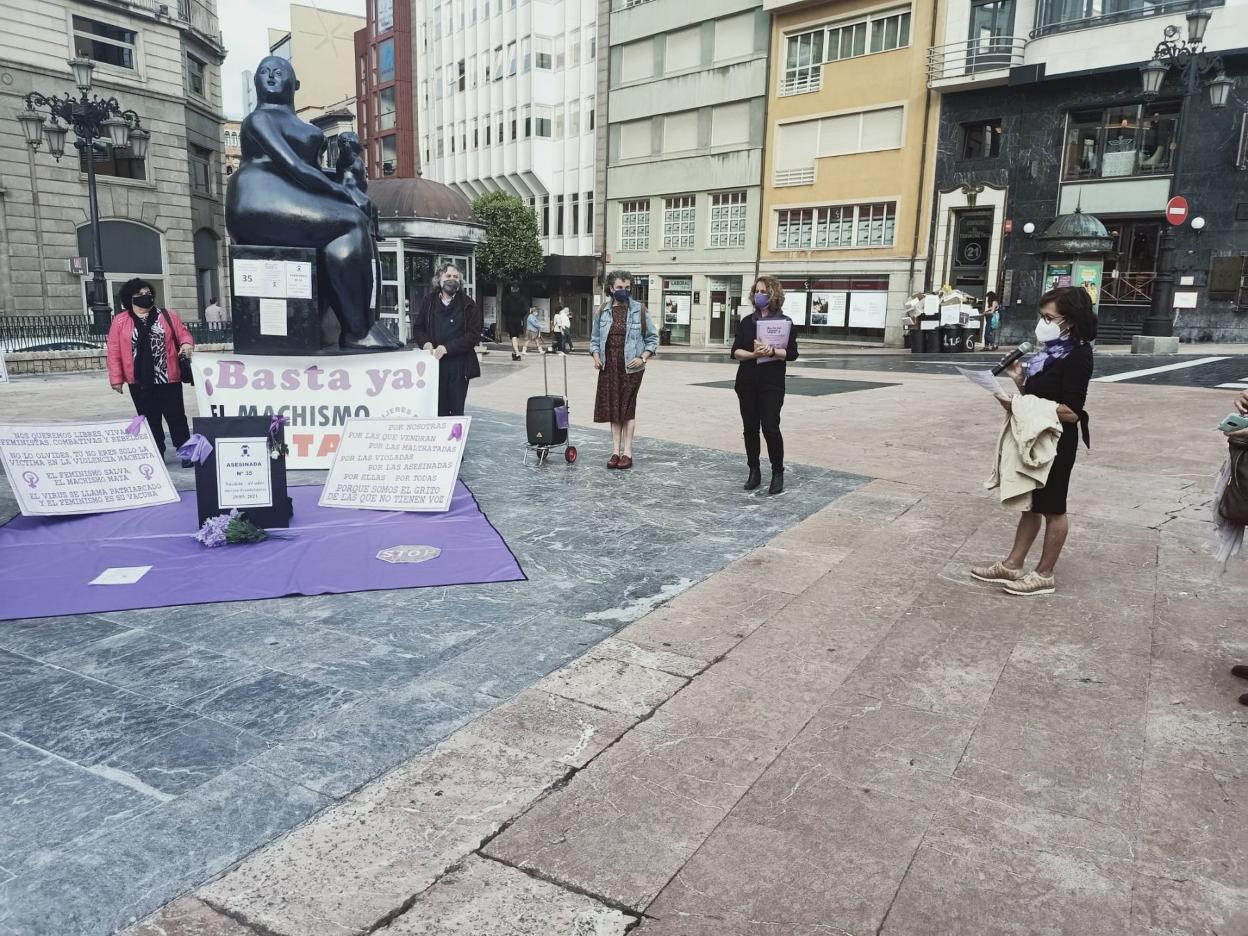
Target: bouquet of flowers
[{"x": 228, "y": 530}]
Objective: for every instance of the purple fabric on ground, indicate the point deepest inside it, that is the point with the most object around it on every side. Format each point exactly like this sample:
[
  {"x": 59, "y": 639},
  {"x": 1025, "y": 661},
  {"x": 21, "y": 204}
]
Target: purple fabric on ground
[{"x": 46, "y": 562}]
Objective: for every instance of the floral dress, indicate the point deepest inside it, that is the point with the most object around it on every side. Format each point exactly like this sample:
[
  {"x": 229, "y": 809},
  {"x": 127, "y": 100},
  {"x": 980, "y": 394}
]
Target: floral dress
[{"x": 616, "y": 401}]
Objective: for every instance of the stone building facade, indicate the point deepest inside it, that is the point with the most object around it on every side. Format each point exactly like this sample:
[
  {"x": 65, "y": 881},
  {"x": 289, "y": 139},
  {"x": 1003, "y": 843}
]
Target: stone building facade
[{"x": 162, "y": 217}]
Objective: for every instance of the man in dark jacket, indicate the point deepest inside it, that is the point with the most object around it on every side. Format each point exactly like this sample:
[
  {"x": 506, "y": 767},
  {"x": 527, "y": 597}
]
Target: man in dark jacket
[
  {"x": 514, "y": 311},
  {"x": 448, "y": 324}
]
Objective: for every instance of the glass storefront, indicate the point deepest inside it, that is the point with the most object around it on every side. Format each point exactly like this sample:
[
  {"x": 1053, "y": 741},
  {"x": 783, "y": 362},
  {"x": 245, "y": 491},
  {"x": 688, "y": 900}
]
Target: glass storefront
[
  {"x": 400, "y": 294},
  {"x": 838, "y": 308},
  {"x": 678, "y": 307}
]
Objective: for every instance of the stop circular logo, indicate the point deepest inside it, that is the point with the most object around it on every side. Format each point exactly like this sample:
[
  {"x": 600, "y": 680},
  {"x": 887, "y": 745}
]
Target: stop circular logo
[{"x": 1177, "y": 210}]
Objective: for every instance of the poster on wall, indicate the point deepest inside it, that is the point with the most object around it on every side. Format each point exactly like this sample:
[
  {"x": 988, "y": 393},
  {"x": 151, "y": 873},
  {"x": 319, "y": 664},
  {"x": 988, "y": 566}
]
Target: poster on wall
[
  {"x": 61, "y": 469},
  {"x": 1088, "y": 275},
  {"x": 317, "y": 395},
  {"x": 677, "y": 309},
  {"x": 795, "y": 307},
  {"x": 868, "y": 309},
  {"x": 489, "y": 309},
  {"x": 543, "y": 312},
  {"x": 397, "y": 464},
  {"x": 827, "y": 309},
  {"x": 1058, "y": 274}
]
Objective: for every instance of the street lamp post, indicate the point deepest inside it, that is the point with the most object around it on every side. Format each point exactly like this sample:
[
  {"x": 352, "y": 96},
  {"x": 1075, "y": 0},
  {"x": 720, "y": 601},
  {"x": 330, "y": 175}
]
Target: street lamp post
[
  {"x": 94, "y": 121},
  {"x": 1189, "y": 57}
]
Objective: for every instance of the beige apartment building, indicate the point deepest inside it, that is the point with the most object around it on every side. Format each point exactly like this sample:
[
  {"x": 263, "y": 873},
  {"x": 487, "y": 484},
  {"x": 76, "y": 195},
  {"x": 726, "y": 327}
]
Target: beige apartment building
[{"x": 848, "y": 176}]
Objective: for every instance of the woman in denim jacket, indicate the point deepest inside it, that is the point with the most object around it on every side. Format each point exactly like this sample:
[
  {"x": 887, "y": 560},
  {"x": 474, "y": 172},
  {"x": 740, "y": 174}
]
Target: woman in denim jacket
[{"x": 622, "y": 340}]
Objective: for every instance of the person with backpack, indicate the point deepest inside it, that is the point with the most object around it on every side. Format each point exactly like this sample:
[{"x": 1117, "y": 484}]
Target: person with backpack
[
  {"x": 149, "y": 351},
  {"x": 622, "y": 340}
]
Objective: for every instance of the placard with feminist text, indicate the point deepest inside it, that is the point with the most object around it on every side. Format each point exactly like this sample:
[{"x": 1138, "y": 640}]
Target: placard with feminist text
[
  {"x": 78, "y": 468},
  {"x": 397, "y": 464}
]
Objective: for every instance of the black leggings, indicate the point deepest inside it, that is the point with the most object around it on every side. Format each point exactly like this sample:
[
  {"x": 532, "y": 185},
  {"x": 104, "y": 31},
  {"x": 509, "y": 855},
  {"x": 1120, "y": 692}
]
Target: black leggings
[
  {"x": 162, "y": 401},
  {"x": 760, "y": 408}
]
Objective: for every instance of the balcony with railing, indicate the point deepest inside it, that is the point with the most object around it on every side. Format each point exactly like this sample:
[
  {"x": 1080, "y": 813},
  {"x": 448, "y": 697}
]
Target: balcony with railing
[
  {"x": 974, "y": 61},
  {"x": 1056, "y": 16},
  {"x": 197, "y": 14}
]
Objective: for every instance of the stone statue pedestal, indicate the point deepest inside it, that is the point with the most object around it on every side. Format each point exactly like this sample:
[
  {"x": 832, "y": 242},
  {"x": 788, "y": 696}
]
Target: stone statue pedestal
[{"x": 276, "y": 303}]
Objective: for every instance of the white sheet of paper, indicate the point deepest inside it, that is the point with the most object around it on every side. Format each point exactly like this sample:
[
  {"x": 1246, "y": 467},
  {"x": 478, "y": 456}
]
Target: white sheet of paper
[
  {"x": 4, "y": 370},
  {"x": 247, "y": 277},
  {"x": 298, "y": 280},
  {"x": 120, "y": 575},
  {"x": 273, "y": 316},
  {"x": 273, "y": 278},
  {"x": 982, "y": 378},
  {"x": 243, "y": 475},
  {"x": 1185, "y": 300}
]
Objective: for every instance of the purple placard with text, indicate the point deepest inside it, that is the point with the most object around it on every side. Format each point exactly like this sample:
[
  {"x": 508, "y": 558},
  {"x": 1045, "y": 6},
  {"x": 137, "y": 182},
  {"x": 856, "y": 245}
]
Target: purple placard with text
[{"x": 774, "y": 333}]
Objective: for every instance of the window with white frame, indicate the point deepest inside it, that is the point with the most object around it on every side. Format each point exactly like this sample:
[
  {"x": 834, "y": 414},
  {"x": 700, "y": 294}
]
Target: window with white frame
[
  {"x": 728, "y": 219},
  {"x": 799, "y": 143},
  {"x": 511, "y": 58},
  {"x": 679, "y": 219},
  {"x": 544, "y": 57},
  {"x": 635, "y": 225},
  {"x": 680, "y": 132},
  {"x": 807, "y": 51},
  {"x": 836, "y": 226},
  {"x": 542, "y": 122},
  {"x": 105, "y": 43}
]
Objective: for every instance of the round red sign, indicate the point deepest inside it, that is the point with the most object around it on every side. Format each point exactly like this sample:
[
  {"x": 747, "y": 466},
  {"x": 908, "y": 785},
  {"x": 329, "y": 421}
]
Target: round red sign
[{"x": 1176, "y": 210}]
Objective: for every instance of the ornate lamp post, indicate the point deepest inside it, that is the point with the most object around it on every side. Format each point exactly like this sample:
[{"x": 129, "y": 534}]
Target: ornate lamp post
[
  {"x": 95, "y": 122},
  {"x": 1189, "y": 57}
]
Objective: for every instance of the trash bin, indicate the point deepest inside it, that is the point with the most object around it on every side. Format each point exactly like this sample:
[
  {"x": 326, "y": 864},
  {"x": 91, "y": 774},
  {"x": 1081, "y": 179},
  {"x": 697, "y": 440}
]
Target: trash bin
[
  {"x": 665, "y": 336},
  {"x": 970, "y": 335},
  {"x": 931, "y": 340},
  {"x": 950, "y": 339},
  {"x": 916, "y": 340}
]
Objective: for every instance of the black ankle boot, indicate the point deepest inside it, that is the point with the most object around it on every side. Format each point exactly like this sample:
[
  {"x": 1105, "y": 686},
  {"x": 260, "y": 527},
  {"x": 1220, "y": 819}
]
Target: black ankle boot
[
  {"x": 777, "y": 482},
  {"x": 754, "y": 480},
  {"x": 1240, "y": 670}
]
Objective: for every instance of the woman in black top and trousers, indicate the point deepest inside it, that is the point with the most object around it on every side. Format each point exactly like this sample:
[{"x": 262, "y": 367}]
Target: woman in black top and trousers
[
  {"x": 1060, "y": 372},
  {"x": 448, "y": 324},
  {"x": 760, "y": 382}
]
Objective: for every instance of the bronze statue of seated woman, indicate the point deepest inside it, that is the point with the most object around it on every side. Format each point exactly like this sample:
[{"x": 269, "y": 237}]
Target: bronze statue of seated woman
[{"x": 280, "y": 197}]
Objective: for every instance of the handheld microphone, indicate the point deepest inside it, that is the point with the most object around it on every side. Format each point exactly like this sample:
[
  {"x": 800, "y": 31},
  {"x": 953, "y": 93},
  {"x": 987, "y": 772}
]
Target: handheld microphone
[{"x": 1024, "y": 348}]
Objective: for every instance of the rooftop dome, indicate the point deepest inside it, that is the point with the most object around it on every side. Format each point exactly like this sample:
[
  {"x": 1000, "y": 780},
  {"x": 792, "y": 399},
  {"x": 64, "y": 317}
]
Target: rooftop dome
[
  {"x": 419, "y": 198},
  {"x": 1076, "y": 233}
]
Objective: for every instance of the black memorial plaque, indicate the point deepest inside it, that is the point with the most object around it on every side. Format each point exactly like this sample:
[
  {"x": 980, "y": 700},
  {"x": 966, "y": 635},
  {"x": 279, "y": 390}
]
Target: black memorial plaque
[{"x": 224, "y": 428}]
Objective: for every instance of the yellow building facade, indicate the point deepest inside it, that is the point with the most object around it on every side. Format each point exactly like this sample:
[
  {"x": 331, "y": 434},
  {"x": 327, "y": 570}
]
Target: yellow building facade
[{"x": 850, "y": 155}]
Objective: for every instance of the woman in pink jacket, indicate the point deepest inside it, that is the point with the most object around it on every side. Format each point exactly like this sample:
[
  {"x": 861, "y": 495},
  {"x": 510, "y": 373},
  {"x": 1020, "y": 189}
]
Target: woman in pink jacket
[{"x": 147, "y": 350}]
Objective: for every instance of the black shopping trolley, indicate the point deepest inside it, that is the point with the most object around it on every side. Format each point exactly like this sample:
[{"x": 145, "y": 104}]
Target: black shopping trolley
[{"x": 546, "y": 421}]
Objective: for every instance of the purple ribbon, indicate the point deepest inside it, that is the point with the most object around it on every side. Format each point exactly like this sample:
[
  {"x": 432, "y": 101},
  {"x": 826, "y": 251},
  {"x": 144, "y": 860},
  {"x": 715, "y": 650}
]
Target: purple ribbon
[
  {"x": 136, "y": 426},
  {"x": 196, "y": 449},
  {"x": 457, "y": 432},
  {"x": 276, "y": 425}
]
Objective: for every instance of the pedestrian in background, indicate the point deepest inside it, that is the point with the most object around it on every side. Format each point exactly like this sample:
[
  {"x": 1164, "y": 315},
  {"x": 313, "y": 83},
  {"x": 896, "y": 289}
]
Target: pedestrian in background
[
  {"x": 213, "y": 312},
  {"x": 761, "y": 370},
  {"x": 622, "y": 340},
  {"x": 533, "y": 332},
  {"x": 148, "y": 351},
  {"x": 562, "y": 328},
  {"x": 992, "y": 316},
  {"x": 513, "y": 318},
  {"x": 1060, "y": 372},
  {"x": 448, "y": 325}
]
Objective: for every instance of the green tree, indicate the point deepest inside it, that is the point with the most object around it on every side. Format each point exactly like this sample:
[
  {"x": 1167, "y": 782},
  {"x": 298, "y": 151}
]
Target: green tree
[{"x": 511, "y": 251}]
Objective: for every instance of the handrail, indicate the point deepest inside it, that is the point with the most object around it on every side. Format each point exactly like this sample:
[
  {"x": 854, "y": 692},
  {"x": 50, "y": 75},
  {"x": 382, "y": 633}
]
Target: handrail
[{"x": 973, "y": 56}]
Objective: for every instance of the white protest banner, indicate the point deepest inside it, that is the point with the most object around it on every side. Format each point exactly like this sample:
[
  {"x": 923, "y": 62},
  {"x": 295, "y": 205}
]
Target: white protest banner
[
  {"x": 59, "y": 469},
  {"x": 397, "y": 464},
  {"x": 317, "y": 395}
]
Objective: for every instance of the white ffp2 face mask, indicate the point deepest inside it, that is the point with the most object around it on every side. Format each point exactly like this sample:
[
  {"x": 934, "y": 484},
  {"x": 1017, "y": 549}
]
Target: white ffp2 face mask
[{"x": 1048, "y": 331}]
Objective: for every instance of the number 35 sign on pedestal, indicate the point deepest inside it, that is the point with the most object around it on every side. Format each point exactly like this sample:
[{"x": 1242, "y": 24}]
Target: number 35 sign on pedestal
[{"x": 397, "y": 464}]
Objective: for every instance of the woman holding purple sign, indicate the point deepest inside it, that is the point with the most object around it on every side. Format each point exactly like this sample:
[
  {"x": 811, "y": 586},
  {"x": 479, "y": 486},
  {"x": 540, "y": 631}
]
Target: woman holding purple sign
[{"x": 765, "y": 342}]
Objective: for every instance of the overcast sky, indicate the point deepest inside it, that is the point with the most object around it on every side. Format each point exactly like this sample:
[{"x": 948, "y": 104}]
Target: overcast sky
[{"x": 246, "y": 24}]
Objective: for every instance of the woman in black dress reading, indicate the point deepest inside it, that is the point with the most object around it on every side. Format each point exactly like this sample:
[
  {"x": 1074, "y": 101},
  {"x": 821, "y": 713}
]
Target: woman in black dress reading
[
  {"x": 1060, "y": 372},
  {"x": 760, "y": 379}
]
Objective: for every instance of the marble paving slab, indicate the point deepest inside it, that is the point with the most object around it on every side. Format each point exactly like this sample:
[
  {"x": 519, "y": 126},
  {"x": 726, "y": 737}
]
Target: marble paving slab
[{"x": 144, "y": 752}]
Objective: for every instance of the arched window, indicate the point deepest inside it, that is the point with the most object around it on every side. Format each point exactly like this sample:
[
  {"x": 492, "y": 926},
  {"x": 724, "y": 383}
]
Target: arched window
[{"x": 130, "y": 249}]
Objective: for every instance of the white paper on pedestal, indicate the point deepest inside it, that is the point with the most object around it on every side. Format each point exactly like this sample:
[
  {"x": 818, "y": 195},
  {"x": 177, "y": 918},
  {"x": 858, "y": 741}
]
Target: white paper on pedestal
[
  {"x": 120, "y": 575},
  {"x": 273, "y": 316},
  {"x": 247, "y": 276},
  {"x": 243, "y": 475},
  {"x": 298, "y": 280},
  {"x": 273, "y": 278}
]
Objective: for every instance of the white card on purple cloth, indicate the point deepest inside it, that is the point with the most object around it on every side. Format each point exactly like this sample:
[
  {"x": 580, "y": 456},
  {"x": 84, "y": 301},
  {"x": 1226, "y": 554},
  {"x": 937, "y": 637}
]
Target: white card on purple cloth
[{"x": 774, "y": 333}]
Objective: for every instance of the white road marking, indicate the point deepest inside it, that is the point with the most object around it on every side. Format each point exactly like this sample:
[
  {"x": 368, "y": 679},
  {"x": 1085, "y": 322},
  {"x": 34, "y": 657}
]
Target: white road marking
[
  {"x": 1243, "y": 385},
  {"x": 1130, "y": 375}
]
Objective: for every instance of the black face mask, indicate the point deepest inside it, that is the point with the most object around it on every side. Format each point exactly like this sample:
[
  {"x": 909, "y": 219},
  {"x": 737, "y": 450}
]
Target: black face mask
[
  {"x": 621, "y": 295},
  {"x": 143, "y": 302},
  {"x": 451, "y": 287}
]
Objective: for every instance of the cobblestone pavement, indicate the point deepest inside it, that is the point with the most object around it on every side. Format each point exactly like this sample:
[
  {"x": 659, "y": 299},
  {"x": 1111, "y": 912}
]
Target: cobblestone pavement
[{"x": 836, "y": 733}]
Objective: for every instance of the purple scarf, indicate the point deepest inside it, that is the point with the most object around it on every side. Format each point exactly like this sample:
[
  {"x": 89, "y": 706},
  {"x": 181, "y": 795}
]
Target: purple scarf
[{"x": 1052, "y": 351}]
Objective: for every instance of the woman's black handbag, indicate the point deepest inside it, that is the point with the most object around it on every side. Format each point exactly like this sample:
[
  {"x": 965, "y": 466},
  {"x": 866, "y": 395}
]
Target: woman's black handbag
[
  {"x": 1234, "y": 504},
  {"x": 184, "y": 362}
]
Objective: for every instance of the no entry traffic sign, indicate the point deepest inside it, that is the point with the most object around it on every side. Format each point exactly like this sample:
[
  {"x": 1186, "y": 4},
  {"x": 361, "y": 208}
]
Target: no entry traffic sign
[{"x": 1177, "y": 210}]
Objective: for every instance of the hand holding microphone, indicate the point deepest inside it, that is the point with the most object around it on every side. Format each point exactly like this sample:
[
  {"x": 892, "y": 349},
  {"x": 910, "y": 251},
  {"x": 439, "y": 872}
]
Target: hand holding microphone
[{"x": 1024, "y": 348}]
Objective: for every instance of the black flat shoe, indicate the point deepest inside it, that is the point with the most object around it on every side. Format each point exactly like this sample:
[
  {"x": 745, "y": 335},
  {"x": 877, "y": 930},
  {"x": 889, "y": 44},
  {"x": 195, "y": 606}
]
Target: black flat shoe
[
  {"x": 754, "y": 480},
  {"x": 777, "y": 483},
  {"x": 1243, "y": 699},
  {"x": 1240, "y": 670}
]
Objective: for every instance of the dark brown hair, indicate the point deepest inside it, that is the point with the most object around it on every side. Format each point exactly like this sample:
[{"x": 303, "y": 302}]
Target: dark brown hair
[{"x": 1074, "y": 305}]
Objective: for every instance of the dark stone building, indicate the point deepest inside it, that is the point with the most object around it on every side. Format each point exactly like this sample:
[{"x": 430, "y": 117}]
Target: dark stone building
[{"x": 1014, "y": 157}]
